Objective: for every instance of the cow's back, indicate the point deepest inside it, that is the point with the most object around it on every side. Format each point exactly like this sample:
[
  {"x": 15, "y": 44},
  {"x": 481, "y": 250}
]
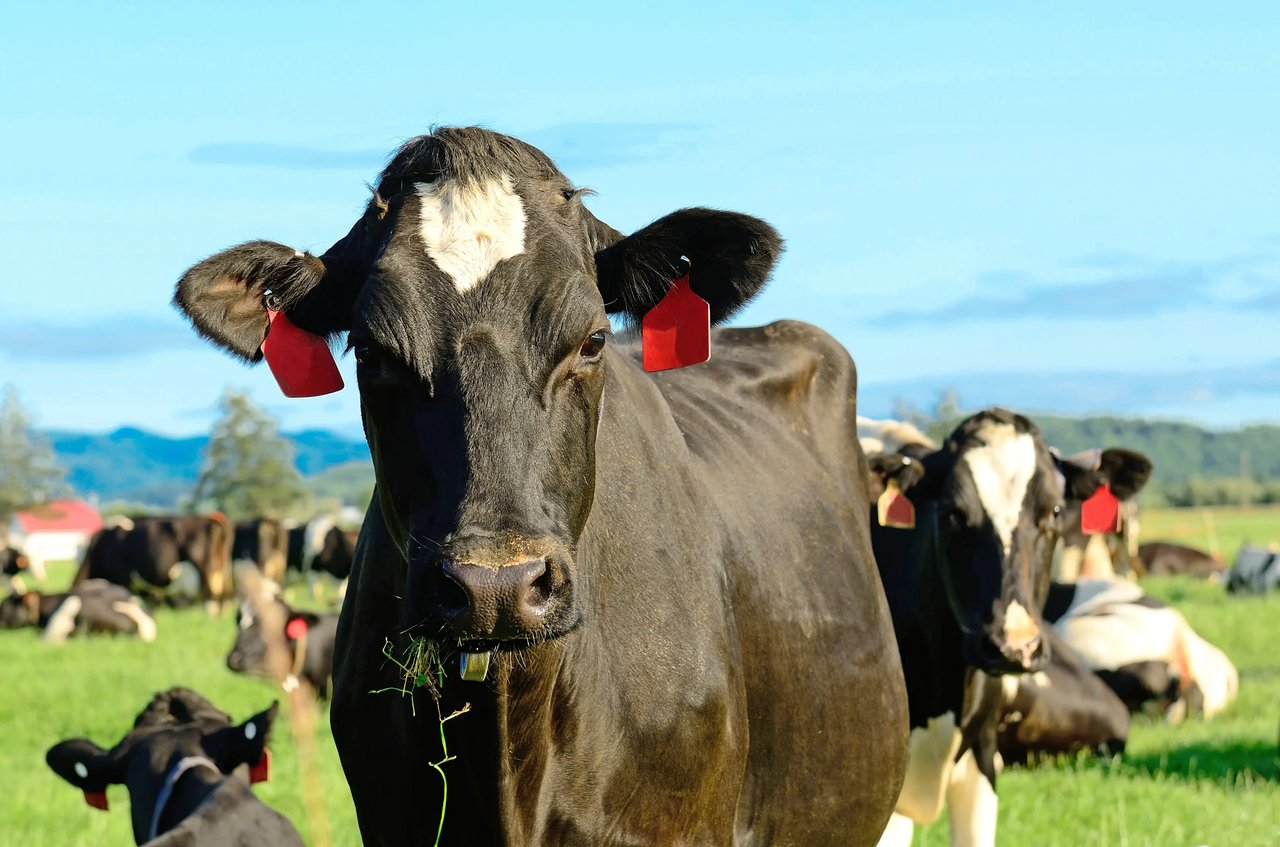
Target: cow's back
[{"x": 771, "y": 423}]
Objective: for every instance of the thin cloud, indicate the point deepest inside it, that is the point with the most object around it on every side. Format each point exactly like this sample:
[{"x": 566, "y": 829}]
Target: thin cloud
[
  {"x": 107, "y": 338},
  {"x": 289, "y": 157}
]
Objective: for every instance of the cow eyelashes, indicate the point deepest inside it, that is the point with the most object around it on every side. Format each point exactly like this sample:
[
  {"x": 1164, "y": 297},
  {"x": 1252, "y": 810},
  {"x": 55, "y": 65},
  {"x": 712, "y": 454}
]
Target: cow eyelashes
[{"x": 592, "y": 347}]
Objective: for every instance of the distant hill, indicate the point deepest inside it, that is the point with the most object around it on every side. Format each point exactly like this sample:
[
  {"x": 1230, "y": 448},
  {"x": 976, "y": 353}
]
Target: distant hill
[{"x": 143, "y": 467}]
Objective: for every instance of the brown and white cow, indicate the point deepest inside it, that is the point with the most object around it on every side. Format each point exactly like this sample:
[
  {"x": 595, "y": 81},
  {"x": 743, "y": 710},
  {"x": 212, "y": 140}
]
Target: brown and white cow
[
  {"x": 179, "y": 558},
  {"x": 668, "y": 576}
]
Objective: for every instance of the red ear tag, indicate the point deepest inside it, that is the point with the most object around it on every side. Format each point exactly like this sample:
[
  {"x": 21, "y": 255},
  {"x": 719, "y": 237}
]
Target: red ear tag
[
  {"x": 300, "y": 361},
  {"x": 1101, "y": 512},
  {"x": 97, "y": 799},
  {"x": 676, "y": 333},
  {"x": 894, "y": 509},
  {"x": 296, "y": 628},
  {"x": 262, "y": 770}
]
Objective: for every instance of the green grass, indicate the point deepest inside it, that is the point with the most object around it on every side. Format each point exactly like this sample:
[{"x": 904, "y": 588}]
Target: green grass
[
  {"x": 1214, "y": 783},
  {"x": 1219, "y": 530}
]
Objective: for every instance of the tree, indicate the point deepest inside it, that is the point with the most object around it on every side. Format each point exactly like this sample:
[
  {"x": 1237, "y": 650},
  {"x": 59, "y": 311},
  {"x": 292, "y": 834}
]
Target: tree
[
  {"x": 29, "y": 473},
  {"x": 249, "y": 469}
]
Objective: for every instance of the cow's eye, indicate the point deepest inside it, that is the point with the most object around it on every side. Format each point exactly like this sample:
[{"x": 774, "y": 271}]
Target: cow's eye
[
  {"x": 594, "y": 344},
  {"x": 365, "y": 357},
  {"x": 568, "y": 194}
]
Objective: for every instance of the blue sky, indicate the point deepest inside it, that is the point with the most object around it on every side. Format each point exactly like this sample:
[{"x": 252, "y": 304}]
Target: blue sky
[{"x": 1070, "y": 209}]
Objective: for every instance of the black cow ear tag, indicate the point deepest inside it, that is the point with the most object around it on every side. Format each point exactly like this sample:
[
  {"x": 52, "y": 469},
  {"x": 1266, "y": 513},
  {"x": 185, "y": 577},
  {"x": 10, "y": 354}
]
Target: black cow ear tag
[
  {"x": 261, "y": 771},
  {"x": 894, "y": 509},
  {"x": 300, "y": 361},
  {"x": 1100, "y": 514},
  {"x": 676, "y": 333}
]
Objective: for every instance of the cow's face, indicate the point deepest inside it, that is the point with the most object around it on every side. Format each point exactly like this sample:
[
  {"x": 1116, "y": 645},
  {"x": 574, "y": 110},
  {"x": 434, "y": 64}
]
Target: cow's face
[
  {"x": 993, "y": 497},
  {"x": 250, "y": 652},
  {"x": 476, "y": 290}
]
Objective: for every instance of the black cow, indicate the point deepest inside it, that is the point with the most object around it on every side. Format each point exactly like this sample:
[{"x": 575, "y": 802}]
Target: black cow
[
  {"x": 13, "y": 562},
  {"x": 182, "y": 557},
  {"x": 92, "y": 606},
  {"x": 670, "y": 574},
  {"x": 966, "y": 586},
  {"x": 307, "y": 636},
  {"x": 320, "y": 545},
  {"x": 1064, "y": 709},
  {"x": 175, "y": 763}
]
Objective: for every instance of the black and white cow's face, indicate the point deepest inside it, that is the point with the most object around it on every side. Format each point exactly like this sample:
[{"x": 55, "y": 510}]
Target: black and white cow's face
[{"x": 476, "y": 290}]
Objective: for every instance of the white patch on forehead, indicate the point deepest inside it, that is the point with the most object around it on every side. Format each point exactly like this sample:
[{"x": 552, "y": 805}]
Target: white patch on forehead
[
  {"x": 468, "y": 228},
  {"x": 1002, "y": 468}
]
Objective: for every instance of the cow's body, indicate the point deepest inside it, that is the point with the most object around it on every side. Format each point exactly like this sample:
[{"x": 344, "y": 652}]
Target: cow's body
[
  {"x": 190, "y": 556},
  {"x": 307, "y": 638},
  {"x": 321, "y": 545},
  {"x": 1144, "y": 650},
  {"x": 1064, "y": 709},
  {"x": 1160, "y": 558},
  {"x": 265, "y": 542},
  {"x": 94, "y": 605},
  {"x": 736, "y": 682}
]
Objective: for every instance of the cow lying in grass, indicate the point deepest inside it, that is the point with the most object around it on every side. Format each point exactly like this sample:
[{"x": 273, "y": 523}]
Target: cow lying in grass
[
  {"x": 92, "y": 606},
  {"x": 175, "y": 763},
  {"x": 1142, "y": 649},
  {"x": 307, "y": 637}
]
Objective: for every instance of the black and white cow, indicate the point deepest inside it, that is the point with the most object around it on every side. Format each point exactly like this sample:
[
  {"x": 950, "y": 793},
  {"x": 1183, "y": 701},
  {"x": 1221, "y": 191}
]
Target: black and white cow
[
  {"x": 1097, "y": 555},
  {"x": 178, "y": 559},
  {"x": 265, "y": 542},
  {"x": 1143, "y": 649},
  {"x": 321, "y": 545},
  {"x": 667, "y": 577},
  {"x": 965, "y": 585},
  {"x": 91, "y": 606},
  {"x": 307, "y": 638},
  {"x": 176, "y": 763}
]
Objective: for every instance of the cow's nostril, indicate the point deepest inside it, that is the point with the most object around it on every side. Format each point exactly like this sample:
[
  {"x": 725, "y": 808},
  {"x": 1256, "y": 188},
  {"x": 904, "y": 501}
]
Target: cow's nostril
[
  {"x": 454, "y": 599},
  {"x": 542, "y": 586}
]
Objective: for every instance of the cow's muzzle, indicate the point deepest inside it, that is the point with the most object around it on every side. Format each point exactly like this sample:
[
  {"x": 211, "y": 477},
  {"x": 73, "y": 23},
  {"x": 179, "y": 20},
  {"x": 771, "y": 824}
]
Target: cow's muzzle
[{"x": 526, "y": 600}]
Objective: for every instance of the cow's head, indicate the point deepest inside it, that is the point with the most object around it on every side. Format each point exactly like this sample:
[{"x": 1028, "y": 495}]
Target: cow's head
[
  {"x": 476, "y": 289},
  {"x": 177, "y": 725},
  {"x": 261, "y": 623},
  {"x": 19, "y": 609},
  {"x": 994, "y": 498}
]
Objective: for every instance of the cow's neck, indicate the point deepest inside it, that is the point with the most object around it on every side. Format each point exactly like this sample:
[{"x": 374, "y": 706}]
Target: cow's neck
[{"x": 532, "y": 733}]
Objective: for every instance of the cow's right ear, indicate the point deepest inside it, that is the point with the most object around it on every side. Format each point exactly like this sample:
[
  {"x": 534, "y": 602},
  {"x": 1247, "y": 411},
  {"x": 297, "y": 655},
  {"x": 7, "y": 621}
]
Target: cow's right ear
[{"x": 88, "y": 767}]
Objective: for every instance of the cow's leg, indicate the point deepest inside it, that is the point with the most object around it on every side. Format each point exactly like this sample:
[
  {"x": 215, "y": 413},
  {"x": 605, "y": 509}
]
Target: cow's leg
[
  {"x": 971, "y": 802},
  {"x": 931, "y": 751},
  {"x": 63, "y": 621},
  {"x": 898, "y": 833}
]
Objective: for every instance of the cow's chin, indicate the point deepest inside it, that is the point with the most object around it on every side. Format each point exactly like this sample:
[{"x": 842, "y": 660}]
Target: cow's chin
[
  {"x": 981, "y": 653},
  {"x": 505, "y": 634}
]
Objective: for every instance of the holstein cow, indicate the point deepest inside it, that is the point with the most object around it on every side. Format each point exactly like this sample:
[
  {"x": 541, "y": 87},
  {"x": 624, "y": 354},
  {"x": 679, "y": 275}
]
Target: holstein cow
[
  {"x": 890, "y": 436},
  {"x": 1063, "y": 709},
  {"x": 1161, "y": 558},
  {"x": 265, "y": 542},
  {"x": 307, "y": 636},
  {"x": 91, "y": 606},
  {"x": 321, "y": 545},
  {"x": 667, "y": 578},
  {"x": 1101, "y": 555},
  {"x": 175, "y": 763},
  {"x": 189, "y": 556},
  {"x": 1142, "y": 649},
  {"x": 965, "y": 581}
]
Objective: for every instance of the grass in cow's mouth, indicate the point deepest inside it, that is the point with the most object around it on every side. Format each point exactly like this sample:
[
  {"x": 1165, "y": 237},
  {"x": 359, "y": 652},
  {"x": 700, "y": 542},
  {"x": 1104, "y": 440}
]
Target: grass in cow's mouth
[{"x": 421, "y": 666}]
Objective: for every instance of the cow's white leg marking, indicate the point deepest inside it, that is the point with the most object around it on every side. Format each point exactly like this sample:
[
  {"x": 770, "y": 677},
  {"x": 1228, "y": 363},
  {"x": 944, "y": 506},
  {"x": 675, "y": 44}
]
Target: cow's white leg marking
[
  {"x": 898, "y": 833},
  {"x": 971, "y": 805},
  {"x": 1002, "y": 468},
  {"x": 63, "y": 621},
  {"x": 145, "y": 623},
  {"x": 469, "y": 227},
  {"x": 929, "y": 761}
]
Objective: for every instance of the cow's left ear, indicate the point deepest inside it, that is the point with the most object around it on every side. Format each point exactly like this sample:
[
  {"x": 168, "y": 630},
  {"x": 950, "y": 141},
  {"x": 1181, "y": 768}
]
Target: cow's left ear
[
  {"x": 1125, "y": 470},
  {"x": 87, "y": 766},
  {"x": 233, "y": 746},
  {"x": 730, "y": 257},
  {"x": 903, "y": 469}
]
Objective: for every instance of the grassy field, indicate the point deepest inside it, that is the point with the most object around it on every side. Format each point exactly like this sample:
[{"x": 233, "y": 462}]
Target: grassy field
[{"x": 1215, "y": 783}]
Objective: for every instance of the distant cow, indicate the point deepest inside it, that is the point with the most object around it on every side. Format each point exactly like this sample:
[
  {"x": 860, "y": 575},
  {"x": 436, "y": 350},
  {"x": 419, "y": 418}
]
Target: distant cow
[
  {"x": 1144, "y": 650},
  {"x": 91, "y": 606},
  {"x": 1256, "y": 571},
  {"x": 890, "y": 436},
  {"x": 1063, "y": 709},
  {"x": 965, "y": 585},
  {"x": 1160, "y": 558},
  {"x": 191, "y": 554},
  {"x": 320, "y": 545},
  {"x": 175, "y": 763},
  {"x": 1102, "y": 555},
  {"x": 307, "y": 636},
  {"x": 265, "y": 542}
]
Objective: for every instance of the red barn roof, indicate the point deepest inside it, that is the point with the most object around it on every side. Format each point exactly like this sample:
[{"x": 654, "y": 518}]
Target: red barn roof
[{"x": 60, "y": 516}]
